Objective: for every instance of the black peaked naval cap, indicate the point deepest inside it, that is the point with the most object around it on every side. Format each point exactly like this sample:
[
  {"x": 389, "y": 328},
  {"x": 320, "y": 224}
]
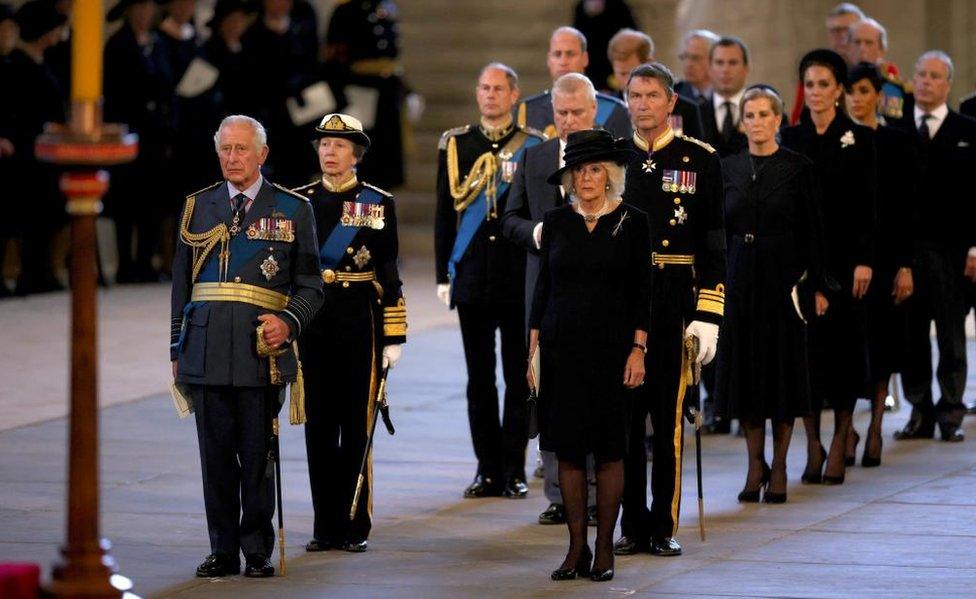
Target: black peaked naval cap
[
  {"x": 828, "y": 58},
  {"x": 591, "y": 145},
  {"x": 38, "y": 17}
]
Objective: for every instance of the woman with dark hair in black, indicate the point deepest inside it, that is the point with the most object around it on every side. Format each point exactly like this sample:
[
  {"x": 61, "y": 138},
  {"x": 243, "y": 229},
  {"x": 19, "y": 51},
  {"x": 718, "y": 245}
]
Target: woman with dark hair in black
[
  {"x": 893, "y": 282},
  {"x": 844, "y": 158}
]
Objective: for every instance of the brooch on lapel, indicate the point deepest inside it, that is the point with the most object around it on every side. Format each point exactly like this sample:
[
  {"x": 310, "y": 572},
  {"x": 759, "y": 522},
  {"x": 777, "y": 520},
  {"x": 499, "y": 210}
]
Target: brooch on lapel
[
  {"x": 361, "y": 258},
  {"x": 269, "y": 268},
  {"x": 272, "y": 228},
  {"x": 620, "y": 224},
  {"x": 847, "y": 139}
]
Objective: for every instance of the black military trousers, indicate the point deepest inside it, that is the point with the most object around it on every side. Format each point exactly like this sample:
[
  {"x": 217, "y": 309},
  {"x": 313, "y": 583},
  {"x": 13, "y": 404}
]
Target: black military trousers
[
  {"x": 939, "y": 296},
  {"x": 234, "y": 431},
  {"x": 341, "y": 371},
  {"x": 659, "y": 398},
  {"x": 499, "y": 443}
]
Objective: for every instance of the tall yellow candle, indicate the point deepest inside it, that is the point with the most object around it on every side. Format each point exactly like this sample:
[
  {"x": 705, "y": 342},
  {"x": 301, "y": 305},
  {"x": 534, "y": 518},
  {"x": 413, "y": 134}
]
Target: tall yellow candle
[{"x": 86, "y": 50}]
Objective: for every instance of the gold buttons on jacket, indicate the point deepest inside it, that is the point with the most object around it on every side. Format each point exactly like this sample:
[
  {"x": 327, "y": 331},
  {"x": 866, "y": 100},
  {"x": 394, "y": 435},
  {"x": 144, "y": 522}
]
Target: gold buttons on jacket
[
  {"x": 665, "y": 242},
  {"x": 345, "y": 284},
  {"x": 237, "y": 279},
  {"x": 328, "y": 276},
  {"x": 672, "y": 222},
  {"x": 677, "y": 201},
  {"x": 491, "y": 238},
  {"x": 349, "y": 250},
  {"x": 348, "y": 268}
]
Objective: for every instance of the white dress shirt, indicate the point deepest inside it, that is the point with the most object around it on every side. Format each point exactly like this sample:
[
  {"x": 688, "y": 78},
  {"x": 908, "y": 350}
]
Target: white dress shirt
[
  {"x": 718, "y": 101},
  {"x": 936, "y": 117}
]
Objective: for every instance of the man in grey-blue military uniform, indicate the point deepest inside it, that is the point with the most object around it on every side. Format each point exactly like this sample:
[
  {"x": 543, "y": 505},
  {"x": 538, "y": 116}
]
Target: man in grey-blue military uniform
[{"x": 246, "y": 283}]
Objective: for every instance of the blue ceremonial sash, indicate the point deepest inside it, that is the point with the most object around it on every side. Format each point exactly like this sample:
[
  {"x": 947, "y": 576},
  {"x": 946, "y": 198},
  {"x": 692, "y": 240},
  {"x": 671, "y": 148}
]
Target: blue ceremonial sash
[
  {"x": 604, "y": 108},
  {"x": 335, "y": 246},
  {"x": 476, "y": 212}
]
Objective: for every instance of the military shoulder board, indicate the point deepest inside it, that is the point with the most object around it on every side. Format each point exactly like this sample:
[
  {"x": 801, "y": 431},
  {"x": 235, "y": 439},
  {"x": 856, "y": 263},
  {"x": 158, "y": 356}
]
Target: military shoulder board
[
  {"x": 699, "y": 142},
  {"x": 382, "y": 192},
  {"x": 442, "y": 144}
]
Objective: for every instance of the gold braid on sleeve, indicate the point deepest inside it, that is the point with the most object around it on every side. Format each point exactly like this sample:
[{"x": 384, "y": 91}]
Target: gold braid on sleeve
[
  {"x": 204, "y": 243},
  {"x": 483, "y": 175}
]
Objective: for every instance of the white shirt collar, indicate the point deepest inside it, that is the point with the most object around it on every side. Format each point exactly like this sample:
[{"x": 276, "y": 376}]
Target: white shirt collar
[
  {"x": 937, "y": 116},
  {"x": 718, "y": 99},
  {"x": 251, "y": 192}
]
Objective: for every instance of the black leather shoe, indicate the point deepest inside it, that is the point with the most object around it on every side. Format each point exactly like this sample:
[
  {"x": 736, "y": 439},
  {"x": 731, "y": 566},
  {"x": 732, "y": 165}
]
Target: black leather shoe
[
  {"x": 355, "y": 546},
  {"x": 554, "y": 514},
  {"x": 317, "y": 545},
  {"x": 217, "y": 565},
  {"x": 915, "y": 429},
  {"x": 580, "y": 569},
  {"x": 591, "y": 515},
  {"x": 752, "y": 496},
  {"x": 951, "y": 434},
  {"x": 258, "y": 566},
  {"x": 602, "y": 574},
  {"x": 667, "y": 547},
  {"x": 483, "y": 486},
  {"x": 628, "y": 546},
  {"x": 515, "y": 488},
  {"x": 814, "y": 477}
]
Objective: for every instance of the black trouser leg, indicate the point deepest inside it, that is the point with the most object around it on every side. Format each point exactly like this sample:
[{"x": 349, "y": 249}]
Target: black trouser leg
[
  {"x": 356, "y": 421},
  {"x": 478, "y": 335},
  {"x": 636, "y": 518},
  {"x": 322, "y": 448},
  {"x": 663, "y": 375},
  {"x": 255, "y": 411},
  {"x": 514, "y": 420}
]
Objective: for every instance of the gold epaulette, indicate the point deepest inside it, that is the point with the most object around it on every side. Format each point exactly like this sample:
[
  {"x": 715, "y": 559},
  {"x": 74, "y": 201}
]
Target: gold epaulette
[
  {"x": 442, "y": 144},
  {"x": 533, "y": 132},
  {"x": 395, "y": 319},
  {"x": 290, "y": 192},
  {"x": 699, "y": 142},
  {"x": 712, "y": 300},
  {"x": 306, "y": 187},
  {"x": 207, "y": 188},
  {"x": 382, "y": 192}
]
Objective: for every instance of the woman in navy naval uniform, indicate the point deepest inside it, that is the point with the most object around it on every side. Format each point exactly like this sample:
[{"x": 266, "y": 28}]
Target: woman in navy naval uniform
[
  {"x": 355, "y": 336},
  {"x": 843, "y": 155}
]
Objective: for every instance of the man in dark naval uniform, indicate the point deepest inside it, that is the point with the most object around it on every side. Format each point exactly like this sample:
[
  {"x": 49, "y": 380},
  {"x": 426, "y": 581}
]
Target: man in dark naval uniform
[
  {"x": 677, "y": 180},
  {"x": 481, "y": 273},
  {"x": 567, "y": 54},
  {"x": 247, "y": 255},
  {"x": 354, "y": 337}
]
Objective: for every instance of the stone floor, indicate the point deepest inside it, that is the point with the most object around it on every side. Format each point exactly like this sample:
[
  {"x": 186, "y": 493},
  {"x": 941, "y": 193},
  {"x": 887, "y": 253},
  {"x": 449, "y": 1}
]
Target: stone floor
[{"x": 907, "y": 529}]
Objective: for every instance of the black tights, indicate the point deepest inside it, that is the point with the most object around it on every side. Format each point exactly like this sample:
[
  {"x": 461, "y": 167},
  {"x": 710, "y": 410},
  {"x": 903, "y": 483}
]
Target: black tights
[
  {"x": 756, "y": 448},
  {"x": 609, "y": 490}
]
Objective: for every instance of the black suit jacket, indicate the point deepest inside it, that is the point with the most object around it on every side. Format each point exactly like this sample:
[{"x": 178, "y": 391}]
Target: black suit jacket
[
  {"x": 529, "y": 198},
  {"x": 686, "y": 109},
  {"x": 968, "y": 106},
  {"x": 711, "y": 135},
  {"x": 945, "y": 217}
]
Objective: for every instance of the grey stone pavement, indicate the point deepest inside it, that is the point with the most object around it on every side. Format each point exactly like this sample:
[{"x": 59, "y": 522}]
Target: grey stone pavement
[{"x": 907, "y": 529}]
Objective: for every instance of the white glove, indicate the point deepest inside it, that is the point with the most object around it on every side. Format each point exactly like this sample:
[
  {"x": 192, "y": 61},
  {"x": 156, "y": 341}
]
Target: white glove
[
  {"x": 444, "y": 293},
  {"x": 537, "y": 235},
  {"x": 391, "y": 355},
  {"x": 707, "y": 334},
  {"x": 415, "y": 107}
]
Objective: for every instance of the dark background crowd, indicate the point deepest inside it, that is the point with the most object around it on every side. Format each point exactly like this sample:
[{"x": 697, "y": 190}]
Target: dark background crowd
[{"x": 171, "y": 82}]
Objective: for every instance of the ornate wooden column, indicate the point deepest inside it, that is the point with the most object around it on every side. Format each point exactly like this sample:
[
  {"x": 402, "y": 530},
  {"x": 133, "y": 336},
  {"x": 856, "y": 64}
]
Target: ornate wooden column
[{"x": 87, "y": 569}]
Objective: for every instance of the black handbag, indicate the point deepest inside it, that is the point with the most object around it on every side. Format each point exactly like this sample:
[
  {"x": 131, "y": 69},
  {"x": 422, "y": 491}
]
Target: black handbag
[{"x": 532, "y": 413}]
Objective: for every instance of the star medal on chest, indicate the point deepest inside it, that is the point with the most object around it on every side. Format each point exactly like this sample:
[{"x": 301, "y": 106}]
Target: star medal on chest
[
  {"x": 361, "y": 258},
  {"x": 649, "y": 165},
  {"x": 680, "y": 215},
  {"x": 269, "y": 268}
]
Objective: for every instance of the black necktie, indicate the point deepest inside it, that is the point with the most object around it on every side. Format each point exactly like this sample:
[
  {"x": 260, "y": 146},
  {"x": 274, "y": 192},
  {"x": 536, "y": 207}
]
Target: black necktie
[
  {"x": 728, "y": 126},
  {"x": 923, "y": 128},
  {"x": 240, "y": 200}
]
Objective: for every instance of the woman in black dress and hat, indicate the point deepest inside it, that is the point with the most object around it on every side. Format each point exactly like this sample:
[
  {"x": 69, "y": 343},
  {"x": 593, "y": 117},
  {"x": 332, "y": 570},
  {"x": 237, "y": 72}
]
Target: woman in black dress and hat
[
  {"x": 893, "y": 281},
  {"x": 772, "y": 222},
  {"x": 844, "y": 156},
  {"x": 589, "y": 318}
]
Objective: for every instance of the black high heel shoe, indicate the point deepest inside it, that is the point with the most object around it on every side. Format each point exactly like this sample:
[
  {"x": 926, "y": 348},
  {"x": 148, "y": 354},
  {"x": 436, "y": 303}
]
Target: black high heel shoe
[
  {"x": 746, "y": 496},
  {"x": 868, "y": 461},
  {"x": 580, "y": 570},
  {"x": 851, "y": 458},
  {"x": 815, "y": 478},
  {"x": 602, "y": 574}
]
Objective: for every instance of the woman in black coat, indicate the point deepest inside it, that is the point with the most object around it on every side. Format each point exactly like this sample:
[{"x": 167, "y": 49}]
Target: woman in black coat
[
  {"x": 893, "y": 282},
  {"x": 772, "y": 223},
  {"x": 589, "y": 318},
  {"x": 844, "y": 156}
]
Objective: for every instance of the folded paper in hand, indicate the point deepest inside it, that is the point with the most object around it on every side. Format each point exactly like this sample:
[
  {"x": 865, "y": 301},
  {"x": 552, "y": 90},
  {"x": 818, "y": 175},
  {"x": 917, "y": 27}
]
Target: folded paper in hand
[
  {"x": 182, "y": 403},
  {"x": 199, "y": 77},
  {"x": 318, "y": 101},
  {"x": 536, "y": 362}
]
